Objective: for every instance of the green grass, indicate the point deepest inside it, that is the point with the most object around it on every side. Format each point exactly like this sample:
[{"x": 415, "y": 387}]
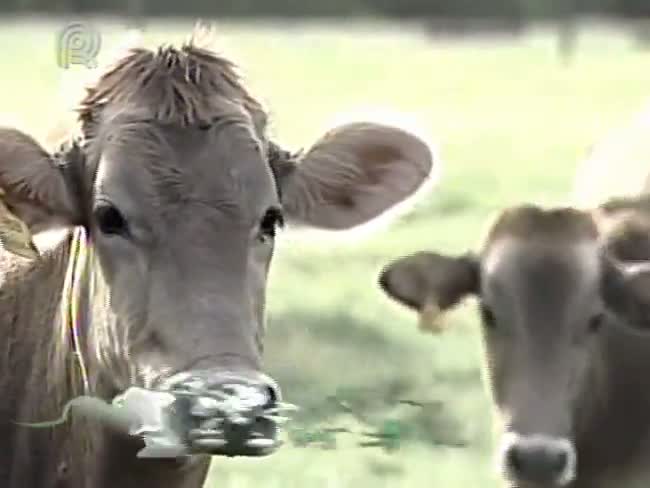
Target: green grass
[{"x": 512, "y": 123}]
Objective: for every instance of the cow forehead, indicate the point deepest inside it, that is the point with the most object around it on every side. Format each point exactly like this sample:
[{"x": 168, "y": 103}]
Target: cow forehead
[
  {"x": 218, "y": 166},
  {"x": 543, "y": 288},
  {"x": 570, "y": 262}
]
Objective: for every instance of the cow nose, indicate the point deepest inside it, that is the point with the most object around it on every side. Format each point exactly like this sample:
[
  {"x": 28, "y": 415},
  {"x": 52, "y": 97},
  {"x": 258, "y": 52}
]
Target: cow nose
[
  {"x": 541, "y": 460},
  {"x": 231, "y": 414}
]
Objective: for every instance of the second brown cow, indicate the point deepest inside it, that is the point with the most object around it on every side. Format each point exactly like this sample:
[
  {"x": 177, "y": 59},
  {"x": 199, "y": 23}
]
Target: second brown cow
[{"x": 563, "y": 296}]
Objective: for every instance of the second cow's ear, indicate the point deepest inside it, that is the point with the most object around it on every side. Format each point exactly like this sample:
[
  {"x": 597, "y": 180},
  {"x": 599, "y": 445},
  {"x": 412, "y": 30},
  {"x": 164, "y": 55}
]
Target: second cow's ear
[
  {"x": 430, "y": 284},
  {"x": 625, "y": 262},
  {"x": 625, "y": 289}
]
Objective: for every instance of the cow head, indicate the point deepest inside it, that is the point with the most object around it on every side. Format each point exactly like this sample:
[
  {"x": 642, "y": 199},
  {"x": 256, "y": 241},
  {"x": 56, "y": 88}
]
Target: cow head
[
  {"x": 550, "y": 286},
  {"x": 182, "y": 195}
]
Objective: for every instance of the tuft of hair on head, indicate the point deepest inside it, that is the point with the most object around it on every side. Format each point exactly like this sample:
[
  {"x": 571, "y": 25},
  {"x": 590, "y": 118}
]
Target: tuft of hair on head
[
  {"x": 543, "y": 225},
  {"x": 203, "y": 36},
  {"x": 361, "y": 233},
  {"x": 74, "y": 84},
  {"x": 182, "y": 85}
]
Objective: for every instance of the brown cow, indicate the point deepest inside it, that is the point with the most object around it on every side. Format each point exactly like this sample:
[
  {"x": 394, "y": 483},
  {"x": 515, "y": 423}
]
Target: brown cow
[
  {"x": 180, "y": 193},
  {"x": 563, "y": 294}
]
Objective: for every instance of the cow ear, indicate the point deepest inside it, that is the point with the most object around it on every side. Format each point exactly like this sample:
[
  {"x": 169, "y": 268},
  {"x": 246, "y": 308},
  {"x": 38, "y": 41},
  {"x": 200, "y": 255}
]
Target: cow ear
[
  {"x": 353, "y": 174},
  {"x": 625, "y": 290},
  {"x": 430, "y": 284},
  {"x": 33, "y": 194}
]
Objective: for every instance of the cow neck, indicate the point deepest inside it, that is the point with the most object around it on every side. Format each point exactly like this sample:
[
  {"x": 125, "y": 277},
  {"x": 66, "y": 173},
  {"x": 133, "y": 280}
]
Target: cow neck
[{"x": 77, "y": 274}]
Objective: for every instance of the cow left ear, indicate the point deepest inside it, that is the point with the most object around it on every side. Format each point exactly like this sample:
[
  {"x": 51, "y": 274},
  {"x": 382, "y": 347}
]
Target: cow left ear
[
  {"x": 353, "y": 174},
  {"x": 430, "y": 284},
  {"x": 34, "y": 196}
]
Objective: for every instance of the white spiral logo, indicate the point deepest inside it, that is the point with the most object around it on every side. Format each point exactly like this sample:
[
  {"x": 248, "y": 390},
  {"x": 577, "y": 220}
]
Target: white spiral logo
[{"x": 78, "y": 44}]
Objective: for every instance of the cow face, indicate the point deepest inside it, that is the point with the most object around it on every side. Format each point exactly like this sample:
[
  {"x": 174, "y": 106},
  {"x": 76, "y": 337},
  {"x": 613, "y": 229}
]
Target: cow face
[
  {"x": 547, "y": 289},
  {"x": 182, "y": 195}
]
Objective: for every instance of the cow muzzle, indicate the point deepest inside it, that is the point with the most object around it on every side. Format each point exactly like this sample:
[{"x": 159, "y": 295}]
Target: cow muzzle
[
  {"x": 538, "y": 459},
  {"x": 216, "y": 414}
]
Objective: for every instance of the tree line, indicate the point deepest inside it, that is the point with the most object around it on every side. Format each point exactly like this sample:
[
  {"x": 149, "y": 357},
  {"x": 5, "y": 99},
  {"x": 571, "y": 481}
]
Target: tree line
[{"x": 517, "y": 11}]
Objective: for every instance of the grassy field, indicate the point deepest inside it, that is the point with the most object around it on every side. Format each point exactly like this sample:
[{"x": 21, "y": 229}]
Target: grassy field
[{"x": 511, "y": 123}]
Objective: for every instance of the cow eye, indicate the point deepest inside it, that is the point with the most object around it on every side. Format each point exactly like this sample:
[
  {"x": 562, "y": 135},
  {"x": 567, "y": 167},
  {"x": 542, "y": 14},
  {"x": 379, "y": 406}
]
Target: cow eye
[
  {"x": 487, "y": 316},
  {"x": 272, "y": 220},
  {"x": 110, "y": 220},
  {"x": 596, "y": 322}
]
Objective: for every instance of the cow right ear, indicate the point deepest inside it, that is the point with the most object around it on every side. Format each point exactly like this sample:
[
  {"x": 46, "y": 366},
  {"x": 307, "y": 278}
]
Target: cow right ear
[
  {"x": 34, "y": 196},
  {"x": 430, "y": 284},
  {"x": 625, "y": 289}
]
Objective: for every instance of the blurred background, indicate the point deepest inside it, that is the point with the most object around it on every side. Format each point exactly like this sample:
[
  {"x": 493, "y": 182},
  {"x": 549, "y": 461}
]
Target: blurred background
[{"x": 514, "y": 92}]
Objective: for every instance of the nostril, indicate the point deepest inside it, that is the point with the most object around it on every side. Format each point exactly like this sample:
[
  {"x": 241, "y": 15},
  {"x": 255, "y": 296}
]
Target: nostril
[
  {"x": 273, "y": 391},
  {"x": 515, "y": 460},
  {"x": 273, "y": 396},
  {"x": 559, "y": 461}
]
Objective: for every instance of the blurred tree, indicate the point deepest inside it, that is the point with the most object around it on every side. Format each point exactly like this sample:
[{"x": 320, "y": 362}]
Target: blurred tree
[
  {"x": 567, "y": 12},
  {"x": 633, "y": 8}
]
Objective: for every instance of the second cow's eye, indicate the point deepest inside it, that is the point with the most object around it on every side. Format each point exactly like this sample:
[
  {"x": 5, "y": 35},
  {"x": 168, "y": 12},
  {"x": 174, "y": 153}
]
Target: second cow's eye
[{"x": 596, "y": 322}]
